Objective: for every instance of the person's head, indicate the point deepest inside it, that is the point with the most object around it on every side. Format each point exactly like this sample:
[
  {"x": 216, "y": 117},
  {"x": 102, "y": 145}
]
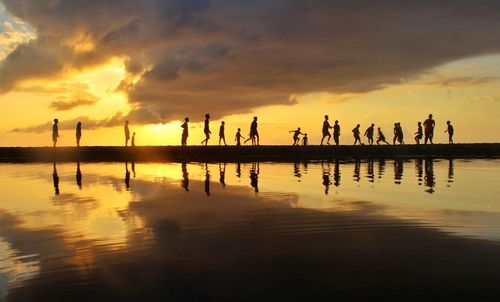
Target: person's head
[
  {"x": 298, "y": 128},
  {"x": 133, "y": 134},
  {"x": 358, "y": 125},
  {"x": 79, "y": 124},
  {"x": 239, "y": 129},
  {"x": 419, "y": 123},
  {"x": 378, "y": 128},
  {"x": 395, "y": 124},
  {"x": 56, "y": 121},
  {"x": 207, "y": 115},
  {"x": 186, "y": 119},
  {"x": 448, "y": 122},
  {"x": 223, "y": 122},
  {"x": 336, "y": 122},
  {"x": 326, "y": 117},
  {"x": 126, "y": 122},
  {"x": 305, "y": 134},
  {"x": 254, "y": 118},
  {"x": 430, "y": 115},
  {"x": 373, "y": 125}
]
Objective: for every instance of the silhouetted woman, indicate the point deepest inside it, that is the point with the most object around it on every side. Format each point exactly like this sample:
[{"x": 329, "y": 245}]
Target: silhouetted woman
[
  {"x": 254, "y": 133},
  {"x": 78, "y": 133},
  {"x": 185, "y": 131},
  {"x": 206, "y": 130},
  {"x": 55, "y": 132}
]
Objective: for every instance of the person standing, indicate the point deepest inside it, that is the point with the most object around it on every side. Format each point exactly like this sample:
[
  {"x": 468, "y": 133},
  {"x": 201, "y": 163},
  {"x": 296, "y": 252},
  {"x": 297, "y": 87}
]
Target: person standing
[
  {"x": 305, "y": 140},
  {"x": 132, "y": 141},
  {"x": 222, "y": 134},
  {"x": 369, "y": 133},
  {"x": 185, "y": 131},
  {"x": 336, "y": 132},
  {"x": 326, "y": 131},
  {"x": 55, "y": 131},
  {"x": 419, "y": 134},
  {"x": 356, "y": 134},
  {"x": 238, "y": 137},
  {"x": 127, "y": 133},
  {"x": 206, "y": 130},
  {"x": 78, "y": 133},
  {"x": 429, "y": 125},
  {"x": 450, "y": 131}
]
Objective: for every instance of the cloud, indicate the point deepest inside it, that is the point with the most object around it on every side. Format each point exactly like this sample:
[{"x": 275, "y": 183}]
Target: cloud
[
  {"x": 225, "y": 57},
  {"x": 67, "y": 103},
  {"x": 462, "y": 81}
]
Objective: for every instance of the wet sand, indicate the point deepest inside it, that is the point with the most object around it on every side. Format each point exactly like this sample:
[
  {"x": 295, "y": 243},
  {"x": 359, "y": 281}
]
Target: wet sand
[{"x": 242, "y": 154}]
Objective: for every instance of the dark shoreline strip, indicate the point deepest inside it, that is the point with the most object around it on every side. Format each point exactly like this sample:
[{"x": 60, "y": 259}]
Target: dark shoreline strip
[{"x": 242, "y": 154}]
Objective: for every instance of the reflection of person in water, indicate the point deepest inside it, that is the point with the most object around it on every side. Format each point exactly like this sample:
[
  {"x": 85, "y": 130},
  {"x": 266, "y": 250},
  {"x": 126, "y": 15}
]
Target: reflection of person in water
[
  {"x": 429, "y": 175},
  {"x": 207, "y": 180},
  {"x": 296, "y": 170},
  {"x": 370, "y": 171},
  {"x": 450, "y": 170},
  {"x": 398, "y": 171},
  {"x": 238, "y": 169},
  {"x": 133, "y": 169},
  {"x": 127, "y": 176},
  {"x": 357, "y": 170},
  {"x": 78, "y": 176},
  {"x": 254, "y": 177},
  {"x": 420, "y": 170},
  {"x": 55, "y": 179},
  {"x": 222, "y": 174},
  {"x": 381, "y": 167},
  {"x": 185, "y": 177},
  {"x": 326, "y": 176},
  {"x": 336, "y": 173}
]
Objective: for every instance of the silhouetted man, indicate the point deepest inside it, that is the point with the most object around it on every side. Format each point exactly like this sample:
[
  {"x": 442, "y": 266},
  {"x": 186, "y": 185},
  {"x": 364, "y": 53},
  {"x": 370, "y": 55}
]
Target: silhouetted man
[
  {"x": 336, "y": 132},
  {"x": 222, "y": 133},
  {"x": 185, "y": 131},
  {"x": 450, "y": 131},
  {"x": 326, "y": 131},
  {"x": 78, "y": 133},
  {"x": 369, "y": 133},
  {"x": 429, "y": 125},
  {"x": 296, "y": 134},
  {"x": 55, "y": 131},
  {"x": 127, "y": 133},
  {"x": 206, "y": 130},
  {"x": 254, "y": 134},
  {"x": 238, "y": 137},
  {"x": 381, "y": 137},
  {"x": 419, "y": 134},
  {"x": 356, "y": 134}
]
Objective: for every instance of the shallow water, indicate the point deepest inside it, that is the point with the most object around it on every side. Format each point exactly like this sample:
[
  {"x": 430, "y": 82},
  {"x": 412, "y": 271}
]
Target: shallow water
[{"x": 412, "y": 229}]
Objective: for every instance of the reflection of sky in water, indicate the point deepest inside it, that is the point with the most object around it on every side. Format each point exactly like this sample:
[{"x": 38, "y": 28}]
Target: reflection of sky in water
[{"x": 78, "y": 212}]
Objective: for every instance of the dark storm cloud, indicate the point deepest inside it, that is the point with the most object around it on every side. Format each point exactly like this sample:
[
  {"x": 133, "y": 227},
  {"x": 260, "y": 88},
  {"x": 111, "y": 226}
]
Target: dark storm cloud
[
  {"x": 228, "y": 57},
  {"x": 62, "y": 105}
]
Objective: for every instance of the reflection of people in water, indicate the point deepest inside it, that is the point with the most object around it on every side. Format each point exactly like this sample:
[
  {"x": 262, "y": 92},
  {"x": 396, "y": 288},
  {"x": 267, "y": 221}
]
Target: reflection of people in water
[
  {"x": 133, "y": 169},
  {"x": 296, "y": 170},
  {"x": 336, "y": 173},
  {"x": 78, "y": 176},
  {"x": 370, "y": 171},
  {"x": 326, "y": 176},
  {"x": 127, "y": 176},
  {"x": 420, "y": 170},
  {"x": 381, "y": 167},
  {"x": 238, "y": 169},
  {"x": 222, "y": 174},
  {"x": 429, "y": 175},
  {"x": 55, "y": 179},
  {"x": 398, "y": 171},
  {"x": 357, "y": 170},
  {"x": 254, "y": 177},
  {"x": 450, "y": 170},
  {"x": 207, "y": 180},
  {"x": 185, "y": 177}
]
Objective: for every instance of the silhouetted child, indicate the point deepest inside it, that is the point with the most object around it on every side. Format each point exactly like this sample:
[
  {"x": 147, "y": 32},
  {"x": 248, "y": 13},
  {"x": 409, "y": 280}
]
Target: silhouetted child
[
  {"x": 381, "y": 137},
  {"x": 254, "y": 134},
  {"x": 336, "y": 132},
  {"x": 356, "y": 134},
  {"x": 238, "y": 137},
  {"x": 185, "y": 131},
  {"x": 450, "y": 131},
  {"x": 399, "y": 133},
  {"x": 305, "y": 140},
  {"x": 419, "y": 134},
  {"x": 395, "y": 138},
  {"x": 369, "y": 133},
  {"x": 132, "y": 142},
  {"x": 326, "y": 130},
  {"x": 127, "y": 133},
  {"x": 296, "y": 134},
  {"x": 429, "y": 129},
  {"x": 55, "y": 131},
  {"x": 78, "y": 133},
  {"x": 206, "y": 129},
  {"x": 222, "y": 134}
]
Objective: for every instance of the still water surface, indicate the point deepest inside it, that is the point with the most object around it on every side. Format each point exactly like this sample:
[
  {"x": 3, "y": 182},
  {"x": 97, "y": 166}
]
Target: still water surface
[{"x": 252, "y": 231}]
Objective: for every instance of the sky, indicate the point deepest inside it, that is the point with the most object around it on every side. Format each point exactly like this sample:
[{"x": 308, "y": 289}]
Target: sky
[{"x": 289, "y": 62}]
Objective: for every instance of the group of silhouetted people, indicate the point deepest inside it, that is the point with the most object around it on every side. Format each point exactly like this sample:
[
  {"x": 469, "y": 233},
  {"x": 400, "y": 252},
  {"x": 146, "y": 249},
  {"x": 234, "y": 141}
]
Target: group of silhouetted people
[{"x": 425, "y": 131}]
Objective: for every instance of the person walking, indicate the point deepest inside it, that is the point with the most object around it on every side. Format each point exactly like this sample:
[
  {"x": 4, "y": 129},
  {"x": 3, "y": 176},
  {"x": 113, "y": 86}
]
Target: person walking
[
  {"x": 369, "y": 133},
  {"x": 185, "y": 131},
  {"x": 55, "y": 131},
  {"x": 222, "y": 134},
  {"x": 326, "y": 130},
  {"x": 206, "y": 130},
  {"x": 450, "y": 131},
  {"x": 419, "y": 134},
  {"x": 78, "y": 133},
  {"x": 356, "y": 134}
]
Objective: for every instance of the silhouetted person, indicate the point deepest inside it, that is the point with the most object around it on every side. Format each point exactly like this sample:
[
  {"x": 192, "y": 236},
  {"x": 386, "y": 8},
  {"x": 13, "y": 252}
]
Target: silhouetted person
[
  {"x": 429, "y": 129},
  {"x": 55, "y": 179},
  {"x": 326, "y": 130},
  {"x": 185, "y": 177},
  {"x": 55, "y": 131},
  {"x": 132, "y": 141},
  {"x": 429, "y": 175},
  {"x": 222, "y": 133},
  {"x": 336, "y": 173},
  {"x": 127, "y": 133},
  {"x": 238, "y": 137},
  {"x": 78, "y": 133},
  {"x": 419, "y": 134},
  {"x": 78, "y": 176},
  {"x": 369, "y": 133},
  {"x": 305, "y": 140},
  {"x": 207, "y": 180},
  {"x": 381, "y": 137},
  {"x": 296, "y": 134},
  {"x": 254, "y": 177},
  {"x": 398, "y": 171},
  {"x": 399, "y": 134},
  {"x": 450, "y": 131},
  {"x": 185, "y": 131},
  {"x": 254, "y": 133},
  {"x": 206, "y": 129},
  {"x": 336, "y": 133},
  {"x": 127, "y": 177},
  {"x": 356, "y": 133},
  {"x": 357, "y": 170},
  {"x": 222, "y": 174},
  {"x": 326, "y": 177}
]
